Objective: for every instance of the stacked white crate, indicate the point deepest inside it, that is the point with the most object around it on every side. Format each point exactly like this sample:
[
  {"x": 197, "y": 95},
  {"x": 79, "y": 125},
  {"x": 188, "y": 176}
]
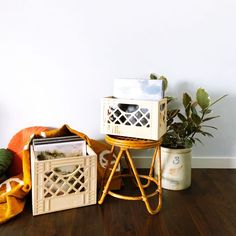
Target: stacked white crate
[{"x": 147, "y": 121}]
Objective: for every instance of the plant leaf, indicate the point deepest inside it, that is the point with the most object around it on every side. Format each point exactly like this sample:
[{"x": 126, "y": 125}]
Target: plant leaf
[
  {"x": 187, "y": 104},
  {"x": 207, "y": 111},
  {"x": 186, "y": 99},
  {"x": 188, "y": 143},
  {"x": 169, "y": 122},
  {"x": 209, "y": 134},
  {"x": 200, "y": 132},
  {"x": 206, "y": 133},
  {"x": 169, "y": 98},
  {"x": 182, "y": 117},
  {"x": 199, "y": 140},
  {"x": 187, "y": 110},
  {"x": 153, "y": 76},
  {"x": 196, "y": 119},
  {"x": 164, "y": 81},
  {"x": 203, "y": 98},
  {"x": 218, "y": 100},
  {"x": 209, "y": 126},
  {"x": 209, "y": 118},
  {"x": 193, "y": 107},
  {"x": 172, "y": 113}
]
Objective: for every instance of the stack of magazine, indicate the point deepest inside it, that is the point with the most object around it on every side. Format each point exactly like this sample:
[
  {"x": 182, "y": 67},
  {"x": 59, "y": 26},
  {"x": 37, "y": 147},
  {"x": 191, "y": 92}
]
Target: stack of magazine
[{"x": 59, "y": 147}]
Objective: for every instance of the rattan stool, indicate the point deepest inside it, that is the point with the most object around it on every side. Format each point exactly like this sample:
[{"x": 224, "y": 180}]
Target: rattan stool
[{"x": 125, "y": 144}]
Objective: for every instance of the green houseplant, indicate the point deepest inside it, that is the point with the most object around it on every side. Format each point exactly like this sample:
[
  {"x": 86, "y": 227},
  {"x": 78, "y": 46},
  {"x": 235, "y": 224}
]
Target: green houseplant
[{"x": 185, "y": 126}]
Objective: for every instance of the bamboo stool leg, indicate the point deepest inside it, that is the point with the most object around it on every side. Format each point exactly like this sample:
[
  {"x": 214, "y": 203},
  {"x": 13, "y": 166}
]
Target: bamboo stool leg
[
  {"x": 106, "y": 188},
  {"x": 159, "y": 172},
  {"x": 150, "y": 170},
  {"x": 144, "y": 197},
  {"x": 130, "y": 169},
  {"x": 156, "y": 151}
]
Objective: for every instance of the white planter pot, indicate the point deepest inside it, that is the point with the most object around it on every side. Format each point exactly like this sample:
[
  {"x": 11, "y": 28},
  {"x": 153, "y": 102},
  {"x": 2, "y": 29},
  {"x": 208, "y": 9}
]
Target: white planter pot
[{"x": 175, "y": 168}]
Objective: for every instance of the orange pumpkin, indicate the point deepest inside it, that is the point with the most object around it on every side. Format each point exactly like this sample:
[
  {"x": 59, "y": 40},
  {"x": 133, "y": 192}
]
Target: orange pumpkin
[{"x": 16, "y": 145}]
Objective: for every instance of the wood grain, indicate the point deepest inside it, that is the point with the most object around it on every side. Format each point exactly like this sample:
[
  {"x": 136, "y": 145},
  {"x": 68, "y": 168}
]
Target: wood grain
[{"x": 208, "y": 207}]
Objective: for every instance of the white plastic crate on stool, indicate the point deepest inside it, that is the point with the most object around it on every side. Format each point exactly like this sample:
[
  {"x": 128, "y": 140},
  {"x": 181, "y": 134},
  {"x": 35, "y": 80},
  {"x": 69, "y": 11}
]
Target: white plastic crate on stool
[
  {"x": 134, "y": 118},
  {"x": 53, "y": 190}
]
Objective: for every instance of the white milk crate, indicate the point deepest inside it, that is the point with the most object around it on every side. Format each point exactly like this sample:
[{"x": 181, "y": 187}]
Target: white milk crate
[
  {"x": 134, "y": 118},
  {"x": 63, "y": 183}
]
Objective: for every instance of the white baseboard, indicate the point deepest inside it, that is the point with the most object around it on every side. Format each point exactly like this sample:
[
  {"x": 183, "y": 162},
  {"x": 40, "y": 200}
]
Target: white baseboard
[
  {"x": 197, "y": 162},
  {"x": 214, "y": 162}
]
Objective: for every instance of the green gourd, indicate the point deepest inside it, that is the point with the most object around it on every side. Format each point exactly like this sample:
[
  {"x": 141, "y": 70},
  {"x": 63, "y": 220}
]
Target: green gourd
[{"x": 5, "y": 160}]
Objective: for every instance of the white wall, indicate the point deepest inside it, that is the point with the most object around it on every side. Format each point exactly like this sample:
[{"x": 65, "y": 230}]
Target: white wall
[{"x": 58, "y": 58}]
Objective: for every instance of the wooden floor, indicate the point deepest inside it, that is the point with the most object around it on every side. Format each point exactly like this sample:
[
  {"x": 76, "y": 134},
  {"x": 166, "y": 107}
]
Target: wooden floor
[{"x": 208, "y": 207}]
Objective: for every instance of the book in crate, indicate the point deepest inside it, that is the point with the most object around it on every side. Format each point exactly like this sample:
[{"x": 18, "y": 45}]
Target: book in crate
[{"x": 64, "y": 174}]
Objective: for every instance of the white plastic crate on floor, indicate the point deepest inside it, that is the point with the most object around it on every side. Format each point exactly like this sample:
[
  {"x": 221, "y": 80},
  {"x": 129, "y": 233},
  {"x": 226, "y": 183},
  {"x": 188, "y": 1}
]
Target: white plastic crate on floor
[
  {"x": 134, "y": 118},
  {"x": 53, "y": 190}
]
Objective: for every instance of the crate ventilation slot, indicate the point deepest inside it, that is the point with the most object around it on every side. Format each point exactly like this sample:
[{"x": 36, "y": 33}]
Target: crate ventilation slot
[
  {"x": 59, "y": 184},
  {"x": 131, "y": 115}
]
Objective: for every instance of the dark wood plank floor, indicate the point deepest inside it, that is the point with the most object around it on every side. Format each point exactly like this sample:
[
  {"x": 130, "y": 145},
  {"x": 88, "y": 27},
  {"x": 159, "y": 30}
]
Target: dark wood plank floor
[{"x": 208, "y": 207}]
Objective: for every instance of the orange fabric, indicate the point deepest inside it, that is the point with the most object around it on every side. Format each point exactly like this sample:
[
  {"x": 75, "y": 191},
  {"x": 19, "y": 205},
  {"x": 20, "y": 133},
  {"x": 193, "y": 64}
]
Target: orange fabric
[
  {"x": 16, "y": 145},
  {"x": 12, "y": 201}
]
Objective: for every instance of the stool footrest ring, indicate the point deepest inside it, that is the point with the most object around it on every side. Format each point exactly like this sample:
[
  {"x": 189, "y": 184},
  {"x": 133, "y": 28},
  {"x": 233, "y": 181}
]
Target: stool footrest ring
[
  {"x": 141, "y": 176},
  {"x": 134, "y": 198}
]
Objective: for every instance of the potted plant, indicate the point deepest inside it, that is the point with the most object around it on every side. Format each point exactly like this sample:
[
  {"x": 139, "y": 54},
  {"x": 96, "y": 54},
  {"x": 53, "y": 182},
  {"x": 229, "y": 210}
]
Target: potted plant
[{"x": 185, "y": 126}]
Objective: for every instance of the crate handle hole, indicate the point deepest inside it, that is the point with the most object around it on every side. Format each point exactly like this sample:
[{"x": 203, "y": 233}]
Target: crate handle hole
[
  {"x": 66, "y": 170},
  {"x": 128, "y": 108}
]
